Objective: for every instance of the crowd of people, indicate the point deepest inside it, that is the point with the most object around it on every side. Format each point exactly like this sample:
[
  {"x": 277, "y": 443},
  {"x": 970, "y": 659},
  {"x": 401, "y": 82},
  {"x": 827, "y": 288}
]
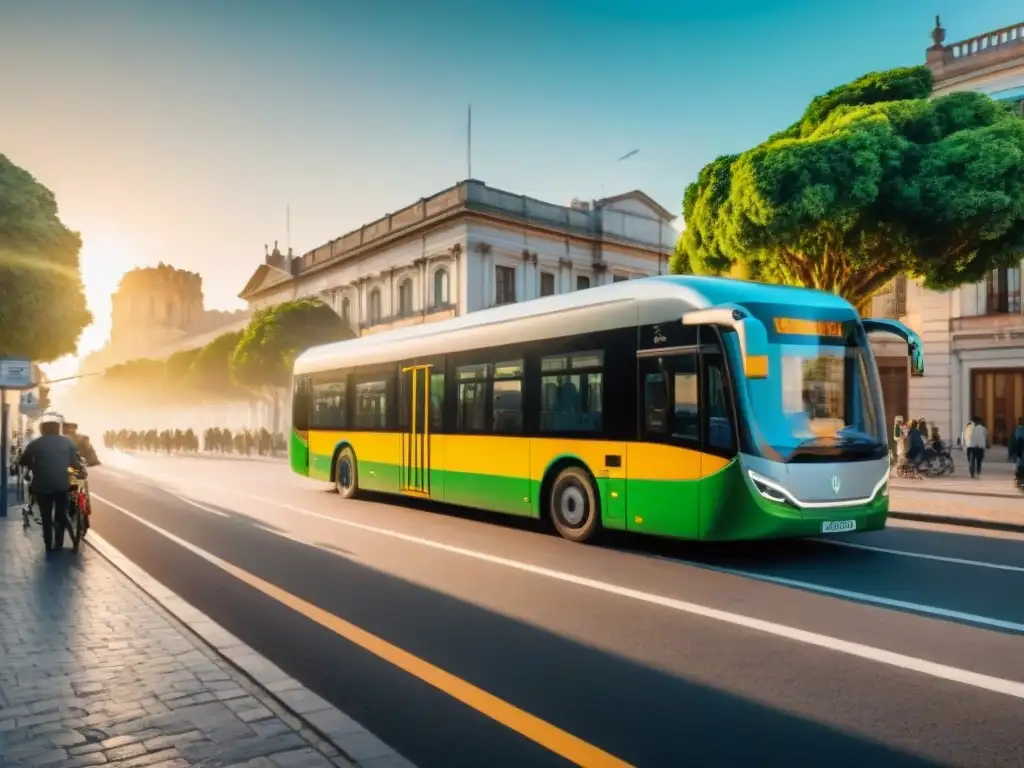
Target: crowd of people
[{"x": 245, "y": 442}]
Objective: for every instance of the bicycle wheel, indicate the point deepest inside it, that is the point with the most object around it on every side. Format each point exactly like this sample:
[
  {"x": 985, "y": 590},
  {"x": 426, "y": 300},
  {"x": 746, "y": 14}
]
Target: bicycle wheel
[{"x": 74, "y": 523}]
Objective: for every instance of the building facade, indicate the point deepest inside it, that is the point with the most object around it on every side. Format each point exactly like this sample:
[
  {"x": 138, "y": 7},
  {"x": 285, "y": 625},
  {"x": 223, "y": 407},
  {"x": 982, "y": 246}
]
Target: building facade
[
  {"x": 467, "y": 248},
  {"x": 157, "y": 311},
  {"x": 973, "y": 336}
]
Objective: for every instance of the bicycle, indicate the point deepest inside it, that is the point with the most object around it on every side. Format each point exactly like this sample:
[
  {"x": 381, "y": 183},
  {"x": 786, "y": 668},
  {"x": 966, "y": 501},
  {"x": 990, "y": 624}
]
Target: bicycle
[{"x": 77, "y": 511}]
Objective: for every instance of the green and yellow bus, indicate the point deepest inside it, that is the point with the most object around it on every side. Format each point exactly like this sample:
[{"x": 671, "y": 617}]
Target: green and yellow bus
[{"x": 690, "y": 407}]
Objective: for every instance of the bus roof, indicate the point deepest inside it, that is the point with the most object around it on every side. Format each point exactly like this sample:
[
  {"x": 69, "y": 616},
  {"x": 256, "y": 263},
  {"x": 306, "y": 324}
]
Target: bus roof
[{"x": 593, "y": 309}]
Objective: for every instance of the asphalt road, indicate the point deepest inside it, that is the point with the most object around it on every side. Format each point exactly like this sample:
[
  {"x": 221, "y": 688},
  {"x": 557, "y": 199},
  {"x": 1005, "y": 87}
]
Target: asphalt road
[{"x": 905, "y": 649}]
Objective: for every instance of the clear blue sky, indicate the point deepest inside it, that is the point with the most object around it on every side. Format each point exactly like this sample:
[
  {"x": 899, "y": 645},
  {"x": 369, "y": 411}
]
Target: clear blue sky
[{"x": 179, "y": 131}]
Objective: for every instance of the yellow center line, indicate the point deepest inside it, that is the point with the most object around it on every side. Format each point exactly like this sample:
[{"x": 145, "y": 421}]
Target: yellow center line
[{"x": 540, "y": 731}]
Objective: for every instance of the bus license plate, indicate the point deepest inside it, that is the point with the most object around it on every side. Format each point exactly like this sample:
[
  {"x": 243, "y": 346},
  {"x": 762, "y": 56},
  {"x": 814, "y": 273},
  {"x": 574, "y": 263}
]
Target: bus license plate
[{"x": 838, "y": 526}]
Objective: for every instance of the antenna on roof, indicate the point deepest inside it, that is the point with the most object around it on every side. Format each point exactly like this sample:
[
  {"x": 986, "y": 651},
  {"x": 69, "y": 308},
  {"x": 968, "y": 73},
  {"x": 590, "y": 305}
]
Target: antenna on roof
[{"x": 288, "y": 226}]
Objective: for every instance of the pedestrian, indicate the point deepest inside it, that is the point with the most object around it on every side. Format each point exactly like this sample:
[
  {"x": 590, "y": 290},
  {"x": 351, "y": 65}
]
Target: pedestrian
[
  {"x": 50, "y": 457},
  {"x": 975, "y": 441}
]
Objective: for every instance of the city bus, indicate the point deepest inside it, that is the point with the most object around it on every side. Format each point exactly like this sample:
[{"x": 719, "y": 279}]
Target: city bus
[{"x": 679, "y": 406}]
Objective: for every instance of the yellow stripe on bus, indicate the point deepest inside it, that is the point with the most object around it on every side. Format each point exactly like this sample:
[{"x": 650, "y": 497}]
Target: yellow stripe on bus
[{"x": 529, "y": 456}]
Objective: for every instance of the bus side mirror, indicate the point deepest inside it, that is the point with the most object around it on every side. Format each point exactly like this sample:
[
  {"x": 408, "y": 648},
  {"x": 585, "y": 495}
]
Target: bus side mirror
[
  {"x": 915, "y": 349},
  {"x": 750, "y": 331}
]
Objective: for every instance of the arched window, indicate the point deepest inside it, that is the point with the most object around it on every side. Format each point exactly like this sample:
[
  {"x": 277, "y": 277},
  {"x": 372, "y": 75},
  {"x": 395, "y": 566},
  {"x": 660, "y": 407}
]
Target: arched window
[
  {"x": 374, "y": 308},
  {"x": 440, "y": 287},
  {"x": 346, "y": 311},
  {"x": 405, "y": 297}
]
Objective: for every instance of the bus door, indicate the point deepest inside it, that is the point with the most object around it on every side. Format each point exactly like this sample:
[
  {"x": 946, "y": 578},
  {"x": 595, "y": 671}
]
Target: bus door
[{"x": 414, "y": 401}]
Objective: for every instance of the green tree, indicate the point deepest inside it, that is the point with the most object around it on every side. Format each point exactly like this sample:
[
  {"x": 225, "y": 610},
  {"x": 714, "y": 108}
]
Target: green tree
[
  {"x": 177, "y": 366},
  {"x": 874, "y": 180},
  {"x": 42, "y": 301},
  {"x": 209, "y": 372},
  {"x": 277, "y": 335}
]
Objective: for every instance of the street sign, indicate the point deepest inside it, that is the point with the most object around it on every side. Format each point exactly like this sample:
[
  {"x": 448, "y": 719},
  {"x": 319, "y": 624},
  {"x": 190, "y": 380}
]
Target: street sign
[{"x": 16, "y": 373}]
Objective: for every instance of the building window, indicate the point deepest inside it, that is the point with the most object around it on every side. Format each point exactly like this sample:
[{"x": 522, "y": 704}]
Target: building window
[
  {"x": 619, "y": 278},
  {"x": 547, "y": 284},
  {"x": 440, "y": 287},
  {"x": 582, "y": 282},
  {"x": 572, "y": 392},
  {"x": 504, "y": 285},
  {"x": 374, "y": 308},
  {"x": 405, "y": 297},
  {"x": 508, "y": 397},
  {"x": 346, "y": 311},
  {"x": 1002, "y": 291}
]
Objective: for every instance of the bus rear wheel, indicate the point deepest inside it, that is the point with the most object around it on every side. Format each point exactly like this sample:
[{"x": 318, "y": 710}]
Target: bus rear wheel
[
  {"x": 573, "y": 505},
  {"x": 346, "y": 478}
]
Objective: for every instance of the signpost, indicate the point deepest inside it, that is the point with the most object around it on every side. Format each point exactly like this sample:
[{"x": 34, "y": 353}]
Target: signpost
[{"x": 15, "y": 374}]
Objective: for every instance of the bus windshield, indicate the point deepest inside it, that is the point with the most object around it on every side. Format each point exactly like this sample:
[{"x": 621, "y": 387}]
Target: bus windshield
[{"x": 822, "y": 401}]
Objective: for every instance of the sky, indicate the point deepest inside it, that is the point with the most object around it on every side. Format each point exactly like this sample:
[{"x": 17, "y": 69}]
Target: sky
[{"x": 183, "y": 131}]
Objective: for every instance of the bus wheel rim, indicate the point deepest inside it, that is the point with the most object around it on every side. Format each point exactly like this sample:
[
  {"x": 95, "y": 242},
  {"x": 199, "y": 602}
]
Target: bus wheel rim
[
  {"x": 345, "y": 473},
  {"x": 573, "y": 506}
]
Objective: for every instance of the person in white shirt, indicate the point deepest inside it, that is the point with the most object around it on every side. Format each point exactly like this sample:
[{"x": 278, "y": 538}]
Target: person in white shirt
[{"x": 975, "y": 442}]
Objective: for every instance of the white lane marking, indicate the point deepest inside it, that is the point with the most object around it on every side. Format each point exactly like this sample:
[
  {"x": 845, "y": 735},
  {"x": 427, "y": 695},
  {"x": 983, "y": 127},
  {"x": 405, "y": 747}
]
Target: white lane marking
[
  {"x": 195, "y": 504},
  {"x": 923, "y": 555},
  {"x": 933, "y": 669},
  {"x": 848, "y": 594}
]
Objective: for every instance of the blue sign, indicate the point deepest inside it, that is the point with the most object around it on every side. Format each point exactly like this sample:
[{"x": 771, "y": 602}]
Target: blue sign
[{"x": 16, "y": 373}]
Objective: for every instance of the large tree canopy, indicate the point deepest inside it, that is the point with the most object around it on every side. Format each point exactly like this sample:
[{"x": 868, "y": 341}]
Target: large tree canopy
[
  {"x": 42, "y": 303},
  {"x": 209, "y": 372},
  {"x": 275, "y": 336},
  {"x": 874, "y": 180}
]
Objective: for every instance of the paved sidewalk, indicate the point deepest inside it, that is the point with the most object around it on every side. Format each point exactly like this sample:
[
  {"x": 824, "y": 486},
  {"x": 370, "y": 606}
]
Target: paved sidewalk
[
  {"x": 93, "y": 672},
  {"x": 988, "y": 502}
]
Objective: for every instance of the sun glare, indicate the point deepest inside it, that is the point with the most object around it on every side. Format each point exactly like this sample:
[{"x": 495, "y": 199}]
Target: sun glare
[{"x": 105, "y": 258}]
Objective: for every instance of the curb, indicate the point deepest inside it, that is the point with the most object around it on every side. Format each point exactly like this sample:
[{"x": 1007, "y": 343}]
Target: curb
[
  {"x": 966, "y": 522},
  {"x": 985, "y": 494},
  {"x": 350, "y": 739}
]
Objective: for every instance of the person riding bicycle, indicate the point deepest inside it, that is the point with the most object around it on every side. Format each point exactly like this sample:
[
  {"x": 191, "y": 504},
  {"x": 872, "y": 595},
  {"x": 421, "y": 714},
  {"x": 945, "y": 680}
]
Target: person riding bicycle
[
  {"x": 81, "y": 442},
  {"x": 50, "y": 457}
]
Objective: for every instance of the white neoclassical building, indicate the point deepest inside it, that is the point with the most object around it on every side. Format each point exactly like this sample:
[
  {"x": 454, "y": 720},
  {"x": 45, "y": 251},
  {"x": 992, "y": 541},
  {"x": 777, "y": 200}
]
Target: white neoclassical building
[
  {"x": 467, "y": 248},
  {"x": 973, "y": 336}
]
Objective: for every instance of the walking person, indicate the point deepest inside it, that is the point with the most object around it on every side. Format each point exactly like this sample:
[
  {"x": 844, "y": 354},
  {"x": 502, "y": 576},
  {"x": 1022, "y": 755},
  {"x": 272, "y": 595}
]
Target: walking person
[
  {"x": 976, "y": 441},
  {"x": 49, "y": 457}
]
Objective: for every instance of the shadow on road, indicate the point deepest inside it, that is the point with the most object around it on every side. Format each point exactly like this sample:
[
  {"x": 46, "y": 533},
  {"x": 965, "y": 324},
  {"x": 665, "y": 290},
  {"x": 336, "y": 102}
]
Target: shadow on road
[{"x": 646, "y": 715}]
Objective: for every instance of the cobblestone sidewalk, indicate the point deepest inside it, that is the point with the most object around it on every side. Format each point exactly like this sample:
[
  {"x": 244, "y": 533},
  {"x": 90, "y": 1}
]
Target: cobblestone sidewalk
[{"x": 92, "y": 672}]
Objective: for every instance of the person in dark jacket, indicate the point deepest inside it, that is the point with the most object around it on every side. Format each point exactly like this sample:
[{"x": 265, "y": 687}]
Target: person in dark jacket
[
  {"x": 915, "y": 446},
  {"x": 48, "y": 458}
]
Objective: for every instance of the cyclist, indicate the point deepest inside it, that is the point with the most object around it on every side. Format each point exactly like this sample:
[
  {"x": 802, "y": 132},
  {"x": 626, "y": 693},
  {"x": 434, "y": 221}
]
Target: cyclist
[
  {"x": 83, "y": 444},
  {"x": 49, "y": 457}
]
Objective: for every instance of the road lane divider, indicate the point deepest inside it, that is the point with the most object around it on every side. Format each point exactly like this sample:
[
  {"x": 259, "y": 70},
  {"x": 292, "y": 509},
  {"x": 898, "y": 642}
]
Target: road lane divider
[
  {"x": 196, "y": 504},
  {"x": 879, "y": 655},
  {"x": 551, "y": 737},
  {"x": 846, "y": 594},
  {"x": 922, "y": 555}
]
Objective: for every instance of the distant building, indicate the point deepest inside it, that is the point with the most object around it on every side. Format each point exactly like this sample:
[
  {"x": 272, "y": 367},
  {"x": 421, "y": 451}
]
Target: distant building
[
  {"x": 973, "y": 336},
  {"x": 467, "y": 248},
  {"x": 157, "y": 311}
]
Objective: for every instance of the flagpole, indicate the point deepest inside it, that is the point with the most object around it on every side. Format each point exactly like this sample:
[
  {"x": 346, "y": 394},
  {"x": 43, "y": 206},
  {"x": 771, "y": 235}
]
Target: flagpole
[{"x": 469, "y": 142}]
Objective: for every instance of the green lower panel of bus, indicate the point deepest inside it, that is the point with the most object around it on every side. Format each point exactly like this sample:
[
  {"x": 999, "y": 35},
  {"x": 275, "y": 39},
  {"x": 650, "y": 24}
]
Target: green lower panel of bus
[{"x": 719, "y": 506}]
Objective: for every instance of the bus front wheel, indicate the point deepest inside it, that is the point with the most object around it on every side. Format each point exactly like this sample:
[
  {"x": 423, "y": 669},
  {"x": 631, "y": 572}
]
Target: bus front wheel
[
  {"x": 345, "y": 474},
  {"x": 573, "y": 504}
]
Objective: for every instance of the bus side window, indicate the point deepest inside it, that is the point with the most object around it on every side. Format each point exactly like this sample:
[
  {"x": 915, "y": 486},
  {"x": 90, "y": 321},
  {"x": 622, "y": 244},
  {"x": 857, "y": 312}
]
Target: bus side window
[
  {"x": 300, "y": 403},
  {"x": 472, "y": 397},
  {"x": 720, "y": 432},
  {"x": 656, "y": 403},
  {"x": 436, "y": 401}
]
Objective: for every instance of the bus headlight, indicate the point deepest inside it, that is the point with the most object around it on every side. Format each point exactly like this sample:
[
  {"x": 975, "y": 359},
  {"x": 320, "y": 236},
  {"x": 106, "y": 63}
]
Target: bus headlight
[{"x": 769, "y": 489}]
